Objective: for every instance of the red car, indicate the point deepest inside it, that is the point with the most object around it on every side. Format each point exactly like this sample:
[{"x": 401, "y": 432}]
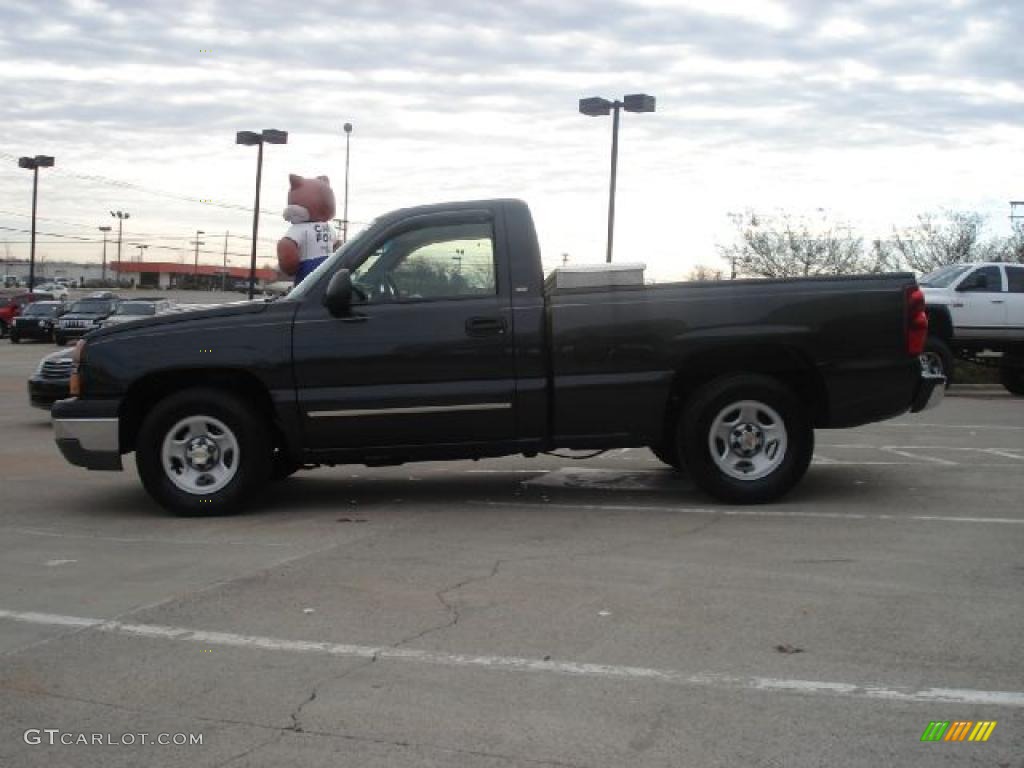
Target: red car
[{"x": 11, "y": 306}]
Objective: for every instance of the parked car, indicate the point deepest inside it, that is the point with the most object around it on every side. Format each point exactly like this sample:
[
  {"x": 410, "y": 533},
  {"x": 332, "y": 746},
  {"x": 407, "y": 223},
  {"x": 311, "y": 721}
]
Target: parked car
[
  {"x": 974, "y": 309},
  {"x": 51, "y": 379},
  {"x": 12, "y": 304},
  {"x": 387, "y": 353},
  {"x": 11, "y": 281},
  {"x": 136, "y": 309},
  {"x": 57, "y": 290},
  {"x": 37, "y": 321},
  {"x": 83, "y": 316}
]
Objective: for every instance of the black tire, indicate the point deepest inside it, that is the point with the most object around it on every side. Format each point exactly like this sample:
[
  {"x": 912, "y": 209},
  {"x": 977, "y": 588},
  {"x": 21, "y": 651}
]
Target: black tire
[
  {"x": 282, "y": 467},
  {"x": 3, "y": 329},
  {"x": 15, "y": 338},
  {"x": 1012, "y": 379},
  {"x": 938, "y": 358},
  {"x": 668, "y": 454},
  {"x": 59, "y": 340},
  {"x": 252, "y": 462},
  {"x": 782, "y": 472}
]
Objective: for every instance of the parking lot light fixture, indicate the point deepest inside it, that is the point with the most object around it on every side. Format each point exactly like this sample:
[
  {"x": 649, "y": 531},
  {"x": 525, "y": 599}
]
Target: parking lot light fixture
[
  {"x": 34, "y": 164},
  {"x": 249, "y": 139},
  {"x": 120, "y": 216},
  {"x": 597, "y": 106}
]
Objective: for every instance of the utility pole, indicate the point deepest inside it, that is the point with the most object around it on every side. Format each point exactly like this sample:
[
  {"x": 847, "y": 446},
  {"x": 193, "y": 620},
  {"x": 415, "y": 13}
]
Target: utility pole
[
  {"x": 348, "y": 135},
  {"x": 120, "y": 216},
  {"x": 103, "y": 274},
  {"x": 224, "y": 273}
]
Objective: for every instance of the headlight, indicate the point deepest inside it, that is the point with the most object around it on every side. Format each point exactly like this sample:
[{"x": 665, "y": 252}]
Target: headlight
[{"x": 44, "y": 324}]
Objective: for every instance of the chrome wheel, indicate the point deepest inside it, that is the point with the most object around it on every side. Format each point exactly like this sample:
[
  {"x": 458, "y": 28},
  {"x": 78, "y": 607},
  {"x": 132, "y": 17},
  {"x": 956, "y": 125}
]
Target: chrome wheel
[
  {"x": 200, "y": 455},
  {"x": 931, "y": 363},
  {"x": 747, "y": 440}
]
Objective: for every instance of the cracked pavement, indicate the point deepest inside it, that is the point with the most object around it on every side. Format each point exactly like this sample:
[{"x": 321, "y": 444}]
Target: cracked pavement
[{"x": 474, "y": 559}]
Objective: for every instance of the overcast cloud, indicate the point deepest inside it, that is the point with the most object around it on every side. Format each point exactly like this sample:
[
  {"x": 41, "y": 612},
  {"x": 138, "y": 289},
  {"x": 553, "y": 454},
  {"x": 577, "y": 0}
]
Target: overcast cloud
[{"x": 872, "y": 110}]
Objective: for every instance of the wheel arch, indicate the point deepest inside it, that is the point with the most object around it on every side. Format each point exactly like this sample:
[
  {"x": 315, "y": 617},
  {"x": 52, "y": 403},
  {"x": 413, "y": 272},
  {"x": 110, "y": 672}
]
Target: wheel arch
[
  {"x": 153, "y": 387},
  {"x": 779, "y": 361},
  {"x": 940, "y": 322}
]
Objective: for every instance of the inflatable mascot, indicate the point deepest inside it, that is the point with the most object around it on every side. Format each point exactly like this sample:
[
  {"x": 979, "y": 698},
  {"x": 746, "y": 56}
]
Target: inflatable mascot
[{"x": 310, "y": 238}]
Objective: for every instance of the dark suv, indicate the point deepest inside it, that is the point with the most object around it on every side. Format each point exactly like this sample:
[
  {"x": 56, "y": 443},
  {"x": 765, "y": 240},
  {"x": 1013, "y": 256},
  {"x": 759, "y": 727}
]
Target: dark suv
[
  {"x": 83, "y": 316},
  {"x": 12, "y": 305},
  {"x": 37, "y": 321}
]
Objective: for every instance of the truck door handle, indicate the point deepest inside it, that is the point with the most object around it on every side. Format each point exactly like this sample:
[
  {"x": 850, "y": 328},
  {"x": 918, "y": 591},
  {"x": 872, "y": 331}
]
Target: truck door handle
[
  {"x": 485, "y": 326},
  {"x": 997, "y": 301}
]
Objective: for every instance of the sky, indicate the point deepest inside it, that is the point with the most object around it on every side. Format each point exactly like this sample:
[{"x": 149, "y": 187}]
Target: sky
[{"x": 867, "y": 111}]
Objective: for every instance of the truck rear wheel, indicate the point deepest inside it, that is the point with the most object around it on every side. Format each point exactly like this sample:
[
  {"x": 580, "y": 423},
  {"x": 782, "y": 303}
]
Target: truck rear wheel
[
  {"x": 938, "y": 358},
  {"x": 745, "y": 439},
  {"x": 668, "y": 454},
  {"x": 1012, "y": 378},
  {"x": 202, "y": 452}
]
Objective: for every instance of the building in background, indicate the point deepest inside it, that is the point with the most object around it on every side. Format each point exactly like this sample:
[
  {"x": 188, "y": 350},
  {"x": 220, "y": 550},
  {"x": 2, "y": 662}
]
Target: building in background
[{"x": 169, "y": 274}]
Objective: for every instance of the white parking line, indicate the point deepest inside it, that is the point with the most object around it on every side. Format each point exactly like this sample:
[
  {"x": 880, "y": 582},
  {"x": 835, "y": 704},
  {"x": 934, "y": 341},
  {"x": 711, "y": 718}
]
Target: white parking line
[
  {"x": 909, "y": 455},
  {"x": 946, "y": 426},
  {"x": 747, "y": 512},
  {"x": 929, "y": 695}
]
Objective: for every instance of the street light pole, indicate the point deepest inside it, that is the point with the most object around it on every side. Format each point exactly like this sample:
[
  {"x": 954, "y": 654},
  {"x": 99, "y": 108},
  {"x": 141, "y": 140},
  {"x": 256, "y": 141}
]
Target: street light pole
[
  {"x": 224, "y": 271},
  {"x": 120, "y": 216},
  {"x": 103, "y": 274},
  {"x": 270, "y": 136},
  {"x": 596, "y": 106},
  {"x": 344, "y": 220},
  {"x": 141, "y": 249},
  {"x": 614, "y": 173},
  {"x": 34, "y": 164}
]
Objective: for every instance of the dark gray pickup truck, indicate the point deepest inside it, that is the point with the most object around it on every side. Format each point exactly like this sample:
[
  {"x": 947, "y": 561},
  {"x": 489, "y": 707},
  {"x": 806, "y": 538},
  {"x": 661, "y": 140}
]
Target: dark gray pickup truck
[{"x": 433, "y": 335}]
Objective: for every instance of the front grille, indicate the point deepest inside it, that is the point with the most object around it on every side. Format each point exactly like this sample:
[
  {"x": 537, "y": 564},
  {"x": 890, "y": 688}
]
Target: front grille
[
  {"x": 74, "y": 324},
  {"x": 56, "y": 369}
]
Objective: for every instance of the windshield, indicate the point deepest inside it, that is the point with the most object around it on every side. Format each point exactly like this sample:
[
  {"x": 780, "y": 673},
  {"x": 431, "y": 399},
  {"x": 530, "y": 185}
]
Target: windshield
[
  {"x": 136, "y": 309},
  {"x": 92, "y": 306},
  {"x": 944, "y": 276},
  {"x": 41, "y": 310}
]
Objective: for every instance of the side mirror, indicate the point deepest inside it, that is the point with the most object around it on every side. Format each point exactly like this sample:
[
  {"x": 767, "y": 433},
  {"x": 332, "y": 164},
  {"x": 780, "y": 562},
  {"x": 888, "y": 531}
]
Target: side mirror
[{"x": 338, "y": 298}]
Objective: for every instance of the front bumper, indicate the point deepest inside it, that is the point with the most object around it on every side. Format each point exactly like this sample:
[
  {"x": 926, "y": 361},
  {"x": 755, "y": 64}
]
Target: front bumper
[
  {"x": 931, "y": 388},
  {"x": 42, "y": 393},
  {"x": 87, "y": 433}
]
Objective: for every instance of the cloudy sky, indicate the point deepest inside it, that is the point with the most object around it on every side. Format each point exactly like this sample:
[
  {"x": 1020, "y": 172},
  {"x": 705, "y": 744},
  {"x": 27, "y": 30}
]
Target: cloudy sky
[{"x": 872, "y": 110}]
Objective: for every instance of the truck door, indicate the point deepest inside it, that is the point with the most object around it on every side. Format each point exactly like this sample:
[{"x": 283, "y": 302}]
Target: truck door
[
  {"x": 1014, "y": 301},
  {"x": 426, "y": 355},
  {"x": 979, "y": 310}
]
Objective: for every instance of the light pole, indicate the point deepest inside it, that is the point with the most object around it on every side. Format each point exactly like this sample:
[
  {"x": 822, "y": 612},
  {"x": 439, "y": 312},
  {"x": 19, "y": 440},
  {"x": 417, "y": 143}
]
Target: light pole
[
  {"x": 141, "y": 249},
  {"x": 120, "y": 216},
  {"x": 103, "y": 274},
  {"x": 596, "y": 106},
  {"x": 34, "y": 164},
  {"x": 250, "y": 138},
  {"x": 344, "y": 220}
]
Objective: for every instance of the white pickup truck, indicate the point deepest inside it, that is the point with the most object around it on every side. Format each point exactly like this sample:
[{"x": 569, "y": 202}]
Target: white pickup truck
[{"x": 976, "y": 312}]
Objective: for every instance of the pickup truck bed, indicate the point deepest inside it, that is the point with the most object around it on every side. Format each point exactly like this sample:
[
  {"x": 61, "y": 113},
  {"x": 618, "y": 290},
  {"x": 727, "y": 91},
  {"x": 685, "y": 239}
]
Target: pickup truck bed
[{"x": 432, "y": 336}]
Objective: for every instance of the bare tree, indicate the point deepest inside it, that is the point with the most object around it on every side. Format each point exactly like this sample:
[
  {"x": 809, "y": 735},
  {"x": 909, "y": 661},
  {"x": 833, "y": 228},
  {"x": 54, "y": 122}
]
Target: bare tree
[
  {"x": 1010, "y": 248},
  {"x": 938, "y": 239},
  {"x": 702, "y": 273},
  {"x": 792, "y": 248}
]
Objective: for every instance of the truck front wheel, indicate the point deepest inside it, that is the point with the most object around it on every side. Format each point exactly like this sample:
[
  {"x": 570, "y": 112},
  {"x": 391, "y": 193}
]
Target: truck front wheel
[
  {"x": 745, "y": 439},
  {"x": 1012, "y": 378},
  {"x": 202, "y": 452}
]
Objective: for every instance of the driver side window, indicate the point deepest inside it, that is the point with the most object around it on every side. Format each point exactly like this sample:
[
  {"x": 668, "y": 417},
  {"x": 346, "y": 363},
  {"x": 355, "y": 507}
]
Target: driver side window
[{"x": 441, "y": 262}]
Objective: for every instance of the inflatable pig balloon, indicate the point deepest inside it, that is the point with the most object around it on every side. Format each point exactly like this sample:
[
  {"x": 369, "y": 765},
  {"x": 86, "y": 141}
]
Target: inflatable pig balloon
[{"x": 310, "y": 238}]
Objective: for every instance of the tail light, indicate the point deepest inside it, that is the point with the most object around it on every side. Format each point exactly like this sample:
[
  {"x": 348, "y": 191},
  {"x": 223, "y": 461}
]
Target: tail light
[{"x": 917, "y": 320}]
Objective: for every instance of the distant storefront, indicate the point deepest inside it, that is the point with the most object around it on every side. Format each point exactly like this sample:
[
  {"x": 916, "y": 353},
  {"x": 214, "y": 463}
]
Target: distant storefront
[{"x": 165, "y": 275}]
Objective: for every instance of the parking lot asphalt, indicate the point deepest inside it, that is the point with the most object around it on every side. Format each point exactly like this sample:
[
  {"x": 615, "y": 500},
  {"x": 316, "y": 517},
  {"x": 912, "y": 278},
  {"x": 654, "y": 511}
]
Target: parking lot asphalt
[{"x": 518, "y": 612}]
